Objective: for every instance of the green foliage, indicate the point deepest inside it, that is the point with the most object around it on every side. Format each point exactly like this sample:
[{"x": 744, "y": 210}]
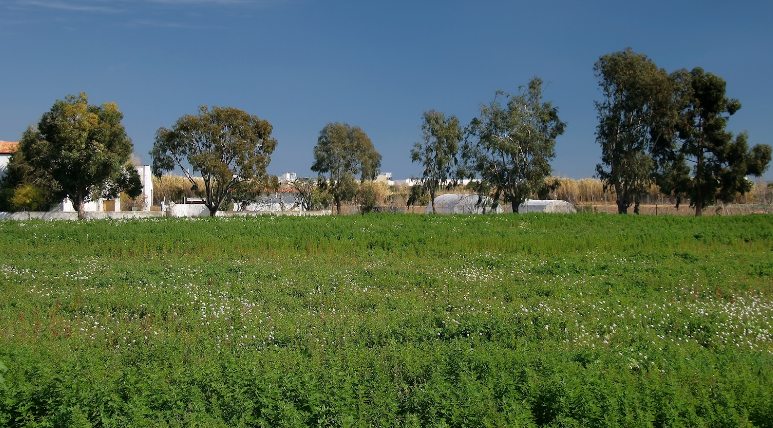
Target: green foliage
[
  {"x": 511, "y": 147},
  {"x": 371, "y": 194},
  {"x": 437, "y": 153},
  {"x": 342, "y": 153},
  {"x": 720, "y": 161},
  {"x": 418, "y": 196},
  {"x": 78, "y": 150},
  {"x": 29, "y": 197},
  {"x": 633, "y": 118},
  {"x": 227, "y": 146},
  {"x": 18, "y": 172},
  {"x": 384, "y": 320},
  {"x": 245, "y": 191},
  {"x": 310, "y": 194}
]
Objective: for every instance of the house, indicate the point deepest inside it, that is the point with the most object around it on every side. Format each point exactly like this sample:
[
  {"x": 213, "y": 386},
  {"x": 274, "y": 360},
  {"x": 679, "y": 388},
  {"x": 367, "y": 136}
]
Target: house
[
  {"x": 114, "y": 205},
  {"x": 7, "y": 148}
]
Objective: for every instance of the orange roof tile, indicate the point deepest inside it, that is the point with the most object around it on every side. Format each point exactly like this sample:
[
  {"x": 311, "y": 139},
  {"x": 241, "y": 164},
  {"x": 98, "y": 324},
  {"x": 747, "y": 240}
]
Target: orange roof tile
[{"x": 8, "y": 147}]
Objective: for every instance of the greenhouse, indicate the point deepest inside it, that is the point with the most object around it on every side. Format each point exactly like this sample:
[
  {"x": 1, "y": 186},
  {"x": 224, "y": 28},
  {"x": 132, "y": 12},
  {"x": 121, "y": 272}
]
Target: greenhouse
[
  {"x": 455, "y": 203},
  {"x": 546, "y": 206}
]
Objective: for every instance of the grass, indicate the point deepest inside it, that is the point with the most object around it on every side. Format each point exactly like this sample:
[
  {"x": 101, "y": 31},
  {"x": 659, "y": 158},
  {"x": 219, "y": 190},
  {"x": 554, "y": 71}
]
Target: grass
[{"x": 388, "y": 320}]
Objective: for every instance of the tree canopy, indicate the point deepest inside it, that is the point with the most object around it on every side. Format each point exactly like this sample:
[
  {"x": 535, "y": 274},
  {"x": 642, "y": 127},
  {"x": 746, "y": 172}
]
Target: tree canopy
[
  {"x": 437, "y": 153},
  {"x": 342, "y": 153},
  {"x": 227, "y": 146},
  {"x": 709, "y": 163},
  {"x": 670, "y": 130},
  {"x": 510, "y": 147},
  {"x": 632, "y": 117},
  {"x": 79, "y": 151}
]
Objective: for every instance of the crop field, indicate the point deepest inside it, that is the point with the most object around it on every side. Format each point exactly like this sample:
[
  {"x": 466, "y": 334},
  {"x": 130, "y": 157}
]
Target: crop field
[{"x": 388, "y": 320}]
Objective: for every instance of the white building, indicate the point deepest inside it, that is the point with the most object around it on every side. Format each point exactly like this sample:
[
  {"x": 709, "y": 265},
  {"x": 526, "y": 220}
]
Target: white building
[
  {"x": 288, "y": 177},
  {"x": 146, "y": 178},
  {"x": 7, "y": 148},
  {"x": 114, "y": 205}
]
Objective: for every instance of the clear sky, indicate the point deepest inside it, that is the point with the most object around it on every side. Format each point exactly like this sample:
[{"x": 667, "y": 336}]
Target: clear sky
[{"x": 375, "y": 64}]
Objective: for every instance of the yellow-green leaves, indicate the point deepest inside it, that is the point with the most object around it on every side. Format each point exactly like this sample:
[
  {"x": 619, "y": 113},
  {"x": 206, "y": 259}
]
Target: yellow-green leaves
[{"x": 77, "y": 150}]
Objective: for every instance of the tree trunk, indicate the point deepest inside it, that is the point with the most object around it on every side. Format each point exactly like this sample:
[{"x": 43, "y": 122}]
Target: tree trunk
[
  {"x": 622, "y": 207},
  {"x": 698, "y": 209},
  {"x": 80, "y": 207},
  {"x": 78, "y": 204},
  {"x": 514, "y": 205}
]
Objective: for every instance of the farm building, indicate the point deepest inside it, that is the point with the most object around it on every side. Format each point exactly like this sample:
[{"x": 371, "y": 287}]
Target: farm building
[
  {"x": 546, "y": 206},
  {"x": 455, "y": 203}
]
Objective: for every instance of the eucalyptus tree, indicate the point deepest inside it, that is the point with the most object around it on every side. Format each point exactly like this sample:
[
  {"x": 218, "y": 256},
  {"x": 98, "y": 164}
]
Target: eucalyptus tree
[
  {"x": 633, "y": 116},
  {"x": 227, "y": 146},
  {"x": 437, "y": 152},
  {"x": 710, "y": 163},
  {"x": 78, "y": 151},
  {"x": 342, "y": 153},
  {"x": 510, "y": 146}
]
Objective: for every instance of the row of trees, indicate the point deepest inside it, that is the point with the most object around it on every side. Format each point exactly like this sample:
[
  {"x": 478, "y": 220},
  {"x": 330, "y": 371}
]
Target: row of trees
[
  {"x": 81, "y": 152},
  {"x": 654, "y": 128},
  {"x": 231, "y": 149},
  {"x": 509, "y": 147},
  {"x": 669, "y": 130}
]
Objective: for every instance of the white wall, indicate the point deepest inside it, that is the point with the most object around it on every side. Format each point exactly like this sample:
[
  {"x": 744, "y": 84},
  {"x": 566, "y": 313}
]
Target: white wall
[
  {"x": 146, "y": 177},
  {"x": 3, "y": 164}
]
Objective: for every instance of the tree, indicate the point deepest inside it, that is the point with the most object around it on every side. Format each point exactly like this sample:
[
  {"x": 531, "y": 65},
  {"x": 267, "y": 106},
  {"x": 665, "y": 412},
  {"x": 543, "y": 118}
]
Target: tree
[
  {"x": 79, "y": 151},
  {"x": 309, "y": 195},
  {"x": 247, "y": 191},
  {"x": 510, "y": 147},
  {"x": 710, "y": 163},
  {"x": 19, "y": 173},
  {"x": 227, "y": 146},
  {"x": 341, "y": 154},
  {"x": 437, "y": 153},
  {"x": 29, "y": 197},
  {"x": 632, "y": 115}
]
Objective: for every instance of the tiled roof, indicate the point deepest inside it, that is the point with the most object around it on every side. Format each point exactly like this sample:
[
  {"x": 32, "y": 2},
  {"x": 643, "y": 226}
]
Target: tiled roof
[{"x": 8, "y": 147}]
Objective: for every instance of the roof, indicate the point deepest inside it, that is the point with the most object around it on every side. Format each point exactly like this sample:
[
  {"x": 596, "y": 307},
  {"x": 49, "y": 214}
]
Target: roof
[{"x": 8, "y": 147}]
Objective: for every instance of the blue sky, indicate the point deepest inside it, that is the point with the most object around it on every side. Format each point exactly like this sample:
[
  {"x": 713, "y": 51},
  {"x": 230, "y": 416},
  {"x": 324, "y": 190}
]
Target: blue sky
[{"x": 375, "y": 64}]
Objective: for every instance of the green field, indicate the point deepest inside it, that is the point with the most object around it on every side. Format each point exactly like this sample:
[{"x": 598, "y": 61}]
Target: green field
[{"x": 388, "y": 320}]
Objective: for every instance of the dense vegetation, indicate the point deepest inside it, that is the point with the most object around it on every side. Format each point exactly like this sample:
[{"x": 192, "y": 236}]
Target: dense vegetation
[{"x": 386, "y": 320}]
